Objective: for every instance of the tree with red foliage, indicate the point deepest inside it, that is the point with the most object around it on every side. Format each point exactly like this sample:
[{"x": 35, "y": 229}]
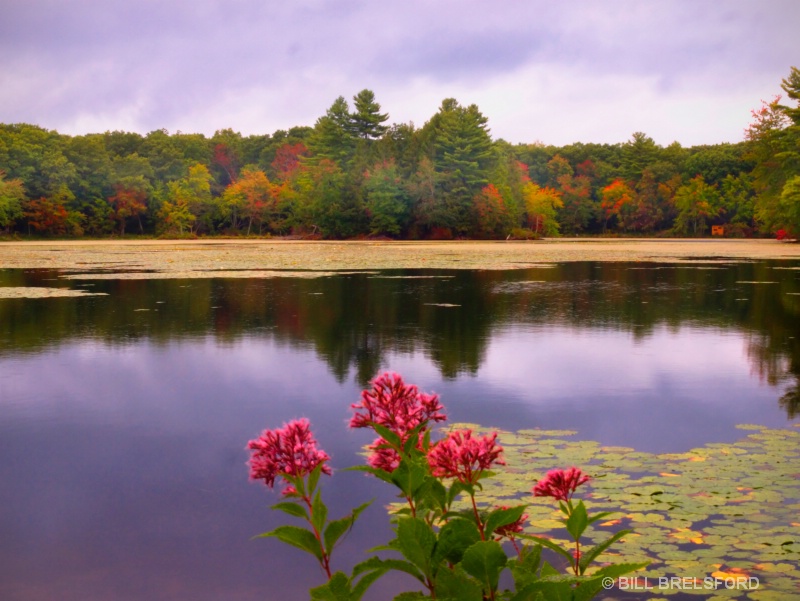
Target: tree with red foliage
[
  {"x": 49, "y": 215},
  {"x": 287, "y": 160},
  {"x": 226, "y": 159},
  {"x": 128, "y": 200}
]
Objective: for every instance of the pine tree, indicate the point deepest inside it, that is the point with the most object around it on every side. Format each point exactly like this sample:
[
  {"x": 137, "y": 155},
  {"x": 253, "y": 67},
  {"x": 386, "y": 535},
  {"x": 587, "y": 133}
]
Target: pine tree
[
  {"x": 463, "y": 154},
  {"x": 333, "y": 136},
  {"x": 367, "y": 120}
]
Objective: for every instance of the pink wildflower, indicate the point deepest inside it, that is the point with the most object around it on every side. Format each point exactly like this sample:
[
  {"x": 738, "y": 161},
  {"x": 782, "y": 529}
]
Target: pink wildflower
[
  {"x": 509, "y": 530},
  {"x": 382, "y": 456},
  {"x": 560, "y": 484},
  {"x": 463, "y": 457},
  {"x": 395, "y": 405},
  {"x": 288, "y": 451}
]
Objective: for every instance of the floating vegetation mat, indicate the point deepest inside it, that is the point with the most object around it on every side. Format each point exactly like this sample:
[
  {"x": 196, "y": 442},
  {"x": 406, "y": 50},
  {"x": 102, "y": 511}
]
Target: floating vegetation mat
[
  {"x": 43, "y": 292},
  {"x": 202, "y": 274},
  {"x": 717, "y": 511}
]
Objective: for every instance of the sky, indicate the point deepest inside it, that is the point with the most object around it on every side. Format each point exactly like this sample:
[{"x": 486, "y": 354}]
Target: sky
[{"x": 555, "y": 72}]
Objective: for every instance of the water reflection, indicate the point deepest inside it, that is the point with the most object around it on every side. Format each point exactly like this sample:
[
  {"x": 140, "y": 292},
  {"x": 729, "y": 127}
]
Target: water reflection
[{"x": 123, "y": 418}]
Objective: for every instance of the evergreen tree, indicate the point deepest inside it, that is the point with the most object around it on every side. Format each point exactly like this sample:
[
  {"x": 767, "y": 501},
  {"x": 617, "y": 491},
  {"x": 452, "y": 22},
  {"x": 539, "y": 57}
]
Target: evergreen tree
[
  {"x": 333, "y": 135},
  {"x": 463, "y": 156},
  {"x": 367, "y": 120}
]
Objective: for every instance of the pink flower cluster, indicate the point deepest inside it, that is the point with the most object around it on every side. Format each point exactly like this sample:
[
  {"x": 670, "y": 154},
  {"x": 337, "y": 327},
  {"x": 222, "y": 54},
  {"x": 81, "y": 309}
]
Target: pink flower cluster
[
  {"x": 395, "y": 405},
  {"x": 291, "y": 450},
  {"x": 398, "y": 406},
  {"x": 560, "y": 484},
  {"x": 463, "y": 457}
]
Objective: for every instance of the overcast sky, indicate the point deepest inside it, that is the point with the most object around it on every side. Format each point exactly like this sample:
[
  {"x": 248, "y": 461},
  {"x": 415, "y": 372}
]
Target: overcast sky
[{"x": 554, "y": 71}]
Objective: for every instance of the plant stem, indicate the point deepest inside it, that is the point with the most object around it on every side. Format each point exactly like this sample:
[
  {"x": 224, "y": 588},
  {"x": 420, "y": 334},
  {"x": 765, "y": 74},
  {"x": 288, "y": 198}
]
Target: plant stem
[
  {"x": 325, "y": 561},
  {"x": 477, "y": 516}
]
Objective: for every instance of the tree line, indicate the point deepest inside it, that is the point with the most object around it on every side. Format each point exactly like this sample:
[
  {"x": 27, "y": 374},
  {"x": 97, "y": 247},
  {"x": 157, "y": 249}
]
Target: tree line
[{"x": 352, "y": 174}]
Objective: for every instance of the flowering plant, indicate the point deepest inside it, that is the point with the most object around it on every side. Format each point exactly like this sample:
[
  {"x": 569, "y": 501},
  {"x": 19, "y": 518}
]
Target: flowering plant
[{"x": 455, "y": 553}]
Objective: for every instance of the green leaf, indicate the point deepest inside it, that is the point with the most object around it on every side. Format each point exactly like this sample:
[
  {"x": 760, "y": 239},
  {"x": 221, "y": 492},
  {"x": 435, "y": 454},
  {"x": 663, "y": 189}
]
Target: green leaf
[
  {"x": 587, "y": 557},
  {"x": 361, "y": 587},
  {"x": 337, "y": 528},
  {"x": 502, "y": 517},
  {"x": 293, "y": 509},
  {"x": 600, "y": 516},
  {"x": 313, "y": 478},
  {"x": 548, "y": 570},
  {"x": 455, "y": 584},
  {"x": 411, "y": 441},
  {"x": 398, "y": 565},
  {"x": 550, "y": 545},
  {"x": 416, "y": 541},
  {"x": 411, "y": 596},
  {"x": 378, "y": 473},
  {"x": 336, "y": 589},
  {"x": 409, "y": 477},
  {"x": 546, "y": 591},
  {"x": 485, "y": 560},
  {"x": 319, "y": 512},
  {"x": 525, "y": 567},
  {"x": 455, "y": 537},
  {"x": 456, "y": 488},
  {"x": 577, "y": 521},
  {"x": 389, "y": 436},
  {"x": 297, "y": 537},
  {"x": 432, "y": 495}
]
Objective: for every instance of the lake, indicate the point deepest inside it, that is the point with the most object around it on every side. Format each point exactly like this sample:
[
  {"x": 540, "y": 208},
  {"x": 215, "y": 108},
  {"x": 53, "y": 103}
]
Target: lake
[{"x": 124, "y": 414}]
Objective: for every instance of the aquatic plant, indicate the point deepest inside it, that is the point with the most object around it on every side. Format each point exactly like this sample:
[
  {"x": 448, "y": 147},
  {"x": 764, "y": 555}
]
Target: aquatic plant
[{"x": 454, "y": 551}]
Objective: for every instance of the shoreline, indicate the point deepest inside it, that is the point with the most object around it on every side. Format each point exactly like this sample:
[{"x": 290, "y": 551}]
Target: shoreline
[{"x": 182, "y": 257}]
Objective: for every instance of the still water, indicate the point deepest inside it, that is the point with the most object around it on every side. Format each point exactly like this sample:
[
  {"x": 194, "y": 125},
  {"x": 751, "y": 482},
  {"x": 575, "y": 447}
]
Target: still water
[{"x": 124, "y": 416}]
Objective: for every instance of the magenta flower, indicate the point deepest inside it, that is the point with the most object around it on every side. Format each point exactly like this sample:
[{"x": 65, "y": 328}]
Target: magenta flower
[
  {"x": 398, "y": 406},
  {"x": 463, "y": 457},
  {"x": 288, "y": 451},
  {"x": 382, "y": 456},
  {"x": 560, "y": 484}
]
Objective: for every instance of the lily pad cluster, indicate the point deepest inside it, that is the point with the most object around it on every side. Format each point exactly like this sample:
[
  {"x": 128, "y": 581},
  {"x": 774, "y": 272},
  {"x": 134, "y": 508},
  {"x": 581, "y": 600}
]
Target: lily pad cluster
[{"x": 717, "y": 511}]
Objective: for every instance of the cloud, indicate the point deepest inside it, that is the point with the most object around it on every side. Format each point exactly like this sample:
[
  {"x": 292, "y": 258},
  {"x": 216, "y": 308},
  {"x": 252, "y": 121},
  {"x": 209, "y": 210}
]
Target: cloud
[{"x": 610, "y": 68}]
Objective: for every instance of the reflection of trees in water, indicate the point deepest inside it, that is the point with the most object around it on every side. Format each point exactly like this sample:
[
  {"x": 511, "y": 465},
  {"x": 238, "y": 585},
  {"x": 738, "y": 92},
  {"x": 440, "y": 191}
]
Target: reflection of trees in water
[
  {"x": 790, "y": 400},
  {"x": 354, "y": 321},
  {"x": 776, "y": 366}
]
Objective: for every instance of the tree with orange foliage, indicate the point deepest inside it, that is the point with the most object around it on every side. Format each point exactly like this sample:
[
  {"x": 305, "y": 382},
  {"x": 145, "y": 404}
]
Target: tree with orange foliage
[
  {"x": 252, "y": 196},
  {"x": 491, "y": 215},
  {"x": 49, "y": 215},
  {"x": 617, "y": 200}
]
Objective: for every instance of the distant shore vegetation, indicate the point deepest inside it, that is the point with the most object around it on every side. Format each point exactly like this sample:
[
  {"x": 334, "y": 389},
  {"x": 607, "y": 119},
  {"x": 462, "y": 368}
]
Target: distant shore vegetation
[{"x": 353, "y": 175}]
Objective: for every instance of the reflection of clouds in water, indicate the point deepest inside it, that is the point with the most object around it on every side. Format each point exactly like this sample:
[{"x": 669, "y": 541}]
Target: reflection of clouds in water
[{"x": 580, "y": 362}]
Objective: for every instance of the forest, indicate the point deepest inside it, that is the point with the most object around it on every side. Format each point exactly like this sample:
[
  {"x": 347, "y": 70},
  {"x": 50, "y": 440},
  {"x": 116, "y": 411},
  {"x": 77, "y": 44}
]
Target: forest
[{"x": 354, "y": 175}]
